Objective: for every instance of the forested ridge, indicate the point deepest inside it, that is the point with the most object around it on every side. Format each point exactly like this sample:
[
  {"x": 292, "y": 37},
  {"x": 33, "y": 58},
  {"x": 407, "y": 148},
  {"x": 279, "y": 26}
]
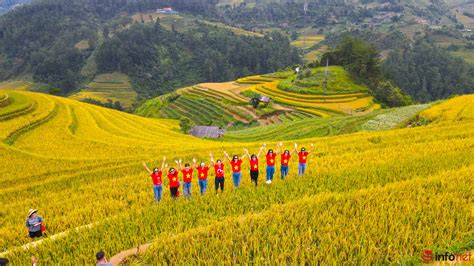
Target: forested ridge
[{"x": 40, "y": 40}]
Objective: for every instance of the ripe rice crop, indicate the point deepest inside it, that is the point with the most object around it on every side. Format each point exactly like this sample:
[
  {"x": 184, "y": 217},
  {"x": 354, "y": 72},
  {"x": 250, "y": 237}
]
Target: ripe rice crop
[{"x": 369, "y": 197}]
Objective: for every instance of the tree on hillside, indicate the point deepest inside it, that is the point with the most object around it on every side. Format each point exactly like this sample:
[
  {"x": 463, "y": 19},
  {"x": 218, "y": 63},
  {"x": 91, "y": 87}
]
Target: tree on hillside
[
  {"x": 185, "y": 124},
  {"x": 362, "y": 60}
]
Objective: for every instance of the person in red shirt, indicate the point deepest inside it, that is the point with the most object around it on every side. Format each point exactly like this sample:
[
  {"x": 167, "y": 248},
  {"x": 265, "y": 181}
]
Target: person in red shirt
[
  {"x": 271, "y": 159},
  {"x": 156, "y": 177},
  {"x": 187, "y": 172},
  {"x": 202, "y": 170},
  {"x": 219, "y": 170},
  {"x": 253, "y": 159},
  {"x": 236, "y": 164},
  {"x": 285, "y": 160},
  {"x": 174, "y": 182},
  {"x": 303, "y": 157}
]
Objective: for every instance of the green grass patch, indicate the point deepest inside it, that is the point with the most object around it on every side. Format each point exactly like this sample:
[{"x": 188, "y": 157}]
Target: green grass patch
[{"x": 339, "y": 81}]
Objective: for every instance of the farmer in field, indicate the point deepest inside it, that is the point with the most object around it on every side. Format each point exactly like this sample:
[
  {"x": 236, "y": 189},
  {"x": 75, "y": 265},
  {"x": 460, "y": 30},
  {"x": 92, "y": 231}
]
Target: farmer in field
[
  {"x": 187, "y": 172},
  {"x": 156, "y": 177},
  {"x": 253, "y": 159},
  {"x": 219, "y": 171},
  {"x": 203, "y": 171},
  {"x": 285, "y": 160},
  {"x": 271, "y": 158},
  {"x": 236, "y": 164},
  {"x": 303, "y": 157},
  {"x": 34, "y": 223},
  {"x": 174, "y": 183}
]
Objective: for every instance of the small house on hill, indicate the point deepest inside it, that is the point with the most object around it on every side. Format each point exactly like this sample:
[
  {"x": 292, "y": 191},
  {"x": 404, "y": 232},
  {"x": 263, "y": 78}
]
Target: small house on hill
[{"x": 207, "y": 132}]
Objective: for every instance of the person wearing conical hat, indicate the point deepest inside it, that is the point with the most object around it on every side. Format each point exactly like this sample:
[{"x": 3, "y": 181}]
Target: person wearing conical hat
[{"x": 34, "y": 223}]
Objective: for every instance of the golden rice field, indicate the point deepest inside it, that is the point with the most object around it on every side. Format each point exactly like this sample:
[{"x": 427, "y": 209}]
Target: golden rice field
[
  {"x": 320, "y": 105},
  {"x": 369, "y": 197},
  {"x": 105, "y": 87},
  {"x": 309, "y": 42}
]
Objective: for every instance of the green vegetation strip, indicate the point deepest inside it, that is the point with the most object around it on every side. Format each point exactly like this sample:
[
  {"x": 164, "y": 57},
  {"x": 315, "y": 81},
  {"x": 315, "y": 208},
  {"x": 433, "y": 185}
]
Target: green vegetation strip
[{"x": 10, "y": 140}]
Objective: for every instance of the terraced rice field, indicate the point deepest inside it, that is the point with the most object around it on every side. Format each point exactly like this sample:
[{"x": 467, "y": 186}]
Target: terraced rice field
[
  {"x": 105, "y": 87},
  {"x": 18, "y": 85},
  {"x": 307, "y": 127},
  {"x": 382, "y": 192},
  {"x": 375, "y": 202},
  {"x": 311, "y": 40},
  {"x": 320, "y": 105}
]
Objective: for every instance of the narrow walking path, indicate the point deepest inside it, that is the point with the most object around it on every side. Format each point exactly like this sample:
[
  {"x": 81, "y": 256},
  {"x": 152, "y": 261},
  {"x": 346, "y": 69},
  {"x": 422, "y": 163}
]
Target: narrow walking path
[{"x": 118, "y": 258}]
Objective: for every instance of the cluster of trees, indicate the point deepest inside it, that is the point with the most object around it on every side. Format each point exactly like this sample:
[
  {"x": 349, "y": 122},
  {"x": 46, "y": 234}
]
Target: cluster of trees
[
  {"x": 109, "y": 104},
  {"x": 428, "y": 72},
  {"x": 290, "y": 13},
  {"x": 363, "y": 61},
  {"x": 159, "y": 61},
  {"x": 40, "y": 39}
]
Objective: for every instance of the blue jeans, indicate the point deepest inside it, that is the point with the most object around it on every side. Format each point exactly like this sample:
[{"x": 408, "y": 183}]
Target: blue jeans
[
  {"x": 203, "y": 186},
  {"x": 237, "y": 177},
  {"x": 284, "y": 171},
  {"x": 270, "y": 172},
  {"x": 187, "y": 189},
  {"x": 158, "y": 191},
  {"x": 301, "y": 168}
]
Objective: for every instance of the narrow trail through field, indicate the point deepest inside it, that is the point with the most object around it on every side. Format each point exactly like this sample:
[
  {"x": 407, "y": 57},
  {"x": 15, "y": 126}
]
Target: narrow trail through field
[{"x": 118, "y": 258}]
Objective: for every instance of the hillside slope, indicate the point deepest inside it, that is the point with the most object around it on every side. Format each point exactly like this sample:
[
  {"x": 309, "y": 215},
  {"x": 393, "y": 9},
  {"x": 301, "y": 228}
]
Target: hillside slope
[{"x": 89, "y": 185}]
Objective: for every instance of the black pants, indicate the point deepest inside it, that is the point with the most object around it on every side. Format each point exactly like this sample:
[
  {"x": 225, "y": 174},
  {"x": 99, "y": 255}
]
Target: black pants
[
  {"x": 36, "y": 234},
  {"x": 254, "y": 176},
  {"x": 174, "y": 192},
  {"x": 219, "y": 182}
]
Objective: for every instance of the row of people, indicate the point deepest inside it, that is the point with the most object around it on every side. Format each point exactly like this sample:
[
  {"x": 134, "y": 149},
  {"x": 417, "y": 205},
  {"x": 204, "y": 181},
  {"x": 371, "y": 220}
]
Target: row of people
[{"x": 218, "y": 165}]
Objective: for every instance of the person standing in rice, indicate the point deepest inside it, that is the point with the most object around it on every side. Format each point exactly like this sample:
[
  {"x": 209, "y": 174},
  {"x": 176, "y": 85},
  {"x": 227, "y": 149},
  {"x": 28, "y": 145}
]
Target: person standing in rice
[
  {"x": 285, "y": 160},
  {"x": 156, "y": 177},
  {"x": 253, "y": 159},
  {"x": 271, "y": 159},
  {"x": 174, "y": 182},
  {"x": 34, "y": 224},
  {"x": 303, "y": 157},
  {"x": 219, "y": 172},
  {"x": 187, "y": 172},
  {"x": 236, "y": 164},
  {"x": 203, "y": 171}
]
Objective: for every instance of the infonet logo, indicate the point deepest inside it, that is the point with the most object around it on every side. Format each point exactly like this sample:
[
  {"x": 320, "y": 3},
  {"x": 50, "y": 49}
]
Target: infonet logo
[{"x": 427, "y": 256}]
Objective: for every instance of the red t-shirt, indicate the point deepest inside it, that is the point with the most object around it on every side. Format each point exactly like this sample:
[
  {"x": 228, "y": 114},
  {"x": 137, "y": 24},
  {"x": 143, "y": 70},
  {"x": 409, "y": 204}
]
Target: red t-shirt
[
  {"x": 236, "y": 165},
  {"x": 254, "y": 165},
  {"x": 303, "y": 156},
  {"x": 173, "y": 177},
  {"x": 156, "y": 177},
  {"x": 202, "y": 172},
  {"x": 219, "y": 170},
  {"x": 187, "y": 175},
  {"x": 285, "y": 159},
  {"x": 271, "y": 159}
]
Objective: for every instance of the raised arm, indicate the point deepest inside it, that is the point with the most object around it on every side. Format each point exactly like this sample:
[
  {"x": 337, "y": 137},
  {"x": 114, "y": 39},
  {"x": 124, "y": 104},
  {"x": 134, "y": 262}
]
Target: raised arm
[
  {"x": 227, "y": 156},
  {"x": 146, "y": 168},
  {"x": 280, "y": 146},
  {"x": 311, "y": 149},
  {"x": 295, "y": 150},
  {"x": 243, "y": 156},
  {"x": 259, "y": 152},
  {"x": 194, "y": 163},
  {"x": 178, "y": 164},
  {"x": 248, "y": 154},
  {"x": 265, "y": 147},
  {"x": 163, "y": 164},
  {"x": 212, "y": 159}
]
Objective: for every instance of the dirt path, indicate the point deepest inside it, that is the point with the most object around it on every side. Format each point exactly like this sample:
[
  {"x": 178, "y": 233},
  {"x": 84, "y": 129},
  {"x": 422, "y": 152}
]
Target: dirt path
[{"x": 118, "y": 258}]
